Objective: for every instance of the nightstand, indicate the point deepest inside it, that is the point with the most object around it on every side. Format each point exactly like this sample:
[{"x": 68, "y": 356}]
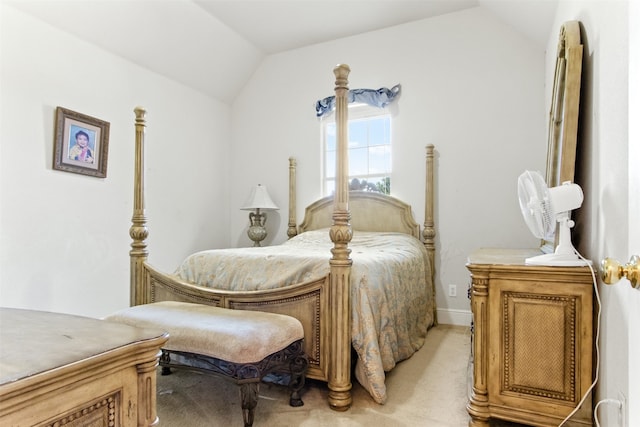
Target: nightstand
[{"x": 532, "y": 340}]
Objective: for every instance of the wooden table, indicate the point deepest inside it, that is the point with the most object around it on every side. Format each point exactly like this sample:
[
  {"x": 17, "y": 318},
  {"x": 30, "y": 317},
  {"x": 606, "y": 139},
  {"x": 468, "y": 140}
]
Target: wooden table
[{"x": 63, "y": 370}]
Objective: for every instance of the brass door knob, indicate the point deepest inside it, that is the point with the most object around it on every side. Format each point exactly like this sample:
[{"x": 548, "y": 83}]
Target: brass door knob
[{"x": 612, "y": 270}]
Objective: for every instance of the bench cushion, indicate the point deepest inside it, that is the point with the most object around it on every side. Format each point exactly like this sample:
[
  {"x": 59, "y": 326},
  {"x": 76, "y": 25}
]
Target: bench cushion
[{"x": 239, "y": 336}]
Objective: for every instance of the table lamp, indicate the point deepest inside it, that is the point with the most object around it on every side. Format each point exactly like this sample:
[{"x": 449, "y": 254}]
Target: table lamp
[{"x": 258, "y": 200}]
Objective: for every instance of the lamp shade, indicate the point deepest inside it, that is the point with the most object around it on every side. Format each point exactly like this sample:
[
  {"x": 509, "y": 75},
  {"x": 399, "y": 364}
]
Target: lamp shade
[{"x": 259, "y": 199}]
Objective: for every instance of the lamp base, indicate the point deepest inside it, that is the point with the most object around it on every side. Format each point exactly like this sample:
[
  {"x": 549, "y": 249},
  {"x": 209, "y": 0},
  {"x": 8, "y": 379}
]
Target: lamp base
[{"x": 256, "y": 231}]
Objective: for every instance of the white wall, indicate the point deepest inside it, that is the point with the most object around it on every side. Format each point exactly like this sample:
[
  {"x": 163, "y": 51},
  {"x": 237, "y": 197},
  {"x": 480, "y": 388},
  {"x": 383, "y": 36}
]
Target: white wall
[
  {"x": 64, "y": 237},
  {"x": 471, "y": 85},
  {"x": 606, "y": 218}
]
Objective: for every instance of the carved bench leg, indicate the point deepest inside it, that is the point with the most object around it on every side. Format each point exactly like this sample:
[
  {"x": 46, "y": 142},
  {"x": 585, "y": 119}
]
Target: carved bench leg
[
  {"x": 165, "y": 358},
  {"x": 249, "y": 397},
  {"x": 248, "y": 376},
  {"x": 298, "y": 367}
]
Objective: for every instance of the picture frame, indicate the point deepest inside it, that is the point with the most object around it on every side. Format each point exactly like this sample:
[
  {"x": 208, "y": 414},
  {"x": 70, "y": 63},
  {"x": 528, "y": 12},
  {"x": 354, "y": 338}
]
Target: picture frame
[{"x": 81, "y": 143}]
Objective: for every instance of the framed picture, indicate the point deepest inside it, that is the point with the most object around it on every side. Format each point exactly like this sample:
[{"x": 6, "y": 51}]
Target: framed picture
[{"x": 81, "y": 144}]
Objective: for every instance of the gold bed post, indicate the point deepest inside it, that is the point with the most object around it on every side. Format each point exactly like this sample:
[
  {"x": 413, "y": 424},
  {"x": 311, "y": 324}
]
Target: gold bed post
[
  {"x": 138, "y": 230},
  {"x": 292, "y": 230},
  {"x": 429, "y": 230},
  {"x": 340, "y": 263}
]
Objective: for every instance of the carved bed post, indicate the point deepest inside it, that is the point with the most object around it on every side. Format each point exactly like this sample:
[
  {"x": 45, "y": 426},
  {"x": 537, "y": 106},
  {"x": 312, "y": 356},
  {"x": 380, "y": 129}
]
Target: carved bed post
[
  {"x": 292, "y": 230},
  {"x": 138, "y": 230},
  {"x": 429, "y": 230},
  {"x": 340, "y": 263}
]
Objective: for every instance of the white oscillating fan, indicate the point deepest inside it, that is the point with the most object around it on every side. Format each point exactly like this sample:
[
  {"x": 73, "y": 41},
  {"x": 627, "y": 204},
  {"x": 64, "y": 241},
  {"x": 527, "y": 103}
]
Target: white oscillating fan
[{"x": 541, "y": 208}]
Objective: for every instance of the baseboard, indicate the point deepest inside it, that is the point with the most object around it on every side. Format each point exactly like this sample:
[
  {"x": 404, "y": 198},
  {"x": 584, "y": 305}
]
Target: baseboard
[{"x": 447, "y": 316}]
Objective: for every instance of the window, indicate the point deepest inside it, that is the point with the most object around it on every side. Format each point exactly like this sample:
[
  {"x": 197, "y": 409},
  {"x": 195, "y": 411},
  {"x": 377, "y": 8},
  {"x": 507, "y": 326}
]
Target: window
[{"x": 369, "y": 150}]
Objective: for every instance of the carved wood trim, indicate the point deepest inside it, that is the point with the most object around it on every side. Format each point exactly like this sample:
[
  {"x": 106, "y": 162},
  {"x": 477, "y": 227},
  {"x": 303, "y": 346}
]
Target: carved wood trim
[
  {"x": 429, "y": 231},
  {"x": 552, "y": 362},
  {"x": 292, "y": 227},
  {"x": 479, "y": 400},
  {"x": 103, "y": 412},
  {"x": 138, "y": 231},
  {"x": 340, "y": 263}
]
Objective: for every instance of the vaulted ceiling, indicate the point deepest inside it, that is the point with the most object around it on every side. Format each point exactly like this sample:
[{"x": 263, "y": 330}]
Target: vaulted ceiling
[{"x": 214, "y": 46}]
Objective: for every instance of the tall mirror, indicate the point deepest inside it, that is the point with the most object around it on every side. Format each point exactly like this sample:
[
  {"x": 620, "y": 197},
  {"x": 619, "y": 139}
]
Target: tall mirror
[{"x": 564, "y": 111}]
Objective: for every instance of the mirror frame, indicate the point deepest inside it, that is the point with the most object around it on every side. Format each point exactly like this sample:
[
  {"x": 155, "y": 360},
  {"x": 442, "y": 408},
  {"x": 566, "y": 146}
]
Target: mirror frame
[{"x": 564, "y": 111}]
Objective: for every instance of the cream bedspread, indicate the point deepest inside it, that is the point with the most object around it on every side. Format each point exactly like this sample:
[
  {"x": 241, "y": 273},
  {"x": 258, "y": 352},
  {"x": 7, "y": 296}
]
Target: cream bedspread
[{"x": 391, "y": 288}]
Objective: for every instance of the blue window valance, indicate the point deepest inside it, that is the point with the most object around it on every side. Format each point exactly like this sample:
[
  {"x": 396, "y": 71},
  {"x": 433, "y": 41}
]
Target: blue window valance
[{"x": 374, "y": 97}]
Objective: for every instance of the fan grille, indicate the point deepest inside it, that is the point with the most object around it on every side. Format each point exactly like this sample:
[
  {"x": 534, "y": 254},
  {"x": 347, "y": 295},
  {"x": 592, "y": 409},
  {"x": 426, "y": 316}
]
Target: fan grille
[{"x": 535, "y": 204}]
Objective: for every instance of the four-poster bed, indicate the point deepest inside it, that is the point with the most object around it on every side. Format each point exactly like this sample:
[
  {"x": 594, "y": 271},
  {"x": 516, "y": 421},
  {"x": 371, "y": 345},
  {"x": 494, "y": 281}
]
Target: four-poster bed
[{"x": 340, "y": 307}]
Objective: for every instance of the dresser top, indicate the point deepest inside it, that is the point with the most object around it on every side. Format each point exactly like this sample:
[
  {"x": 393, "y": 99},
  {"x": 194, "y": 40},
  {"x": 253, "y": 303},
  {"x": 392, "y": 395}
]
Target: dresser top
[
  {"x": 33, "y": 341},
  {"x": 502, "y": 256},
  {"x": 513, "y": 261}
]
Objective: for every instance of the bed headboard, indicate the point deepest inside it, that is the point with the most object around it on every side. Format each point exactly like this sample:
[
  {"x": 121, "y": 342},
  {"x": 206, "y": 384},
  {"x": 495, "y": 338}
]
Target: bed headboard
[{"x": 369, "y": 212}]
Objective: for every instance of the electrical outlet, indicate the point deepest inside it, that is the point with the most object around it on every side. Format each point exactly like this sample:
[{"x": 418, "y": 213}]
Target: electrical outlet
[
  {"x": 453, "y": 290},
  {"x": 622, "y": 412}
]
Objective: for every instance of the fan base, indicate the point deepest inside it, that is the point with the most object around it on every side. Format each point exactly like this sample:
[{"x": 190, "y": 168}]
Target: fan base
[{"x": 559, "y": 260}]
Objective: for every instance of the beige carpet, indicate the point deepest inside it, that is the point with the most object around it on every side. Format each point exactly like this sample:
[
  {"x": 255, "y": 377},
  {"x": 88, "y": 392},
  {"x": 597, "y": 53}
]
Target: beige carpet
[{"x": 429, "y": 389}]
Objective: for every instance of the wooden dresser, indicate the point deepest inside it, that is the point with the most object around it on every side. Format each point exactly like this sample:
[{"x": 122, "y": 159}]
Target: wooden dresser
[
  {"x": 532, "y": 340},
  {"x": 62, "y": 370}
]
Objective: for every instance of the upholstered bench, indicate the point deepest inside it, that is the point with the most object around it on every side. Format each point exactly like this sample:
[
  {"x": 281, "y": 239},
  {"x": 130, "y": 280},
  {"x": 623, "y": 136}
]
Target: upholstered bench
[{"x": 239, "y": 345}]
